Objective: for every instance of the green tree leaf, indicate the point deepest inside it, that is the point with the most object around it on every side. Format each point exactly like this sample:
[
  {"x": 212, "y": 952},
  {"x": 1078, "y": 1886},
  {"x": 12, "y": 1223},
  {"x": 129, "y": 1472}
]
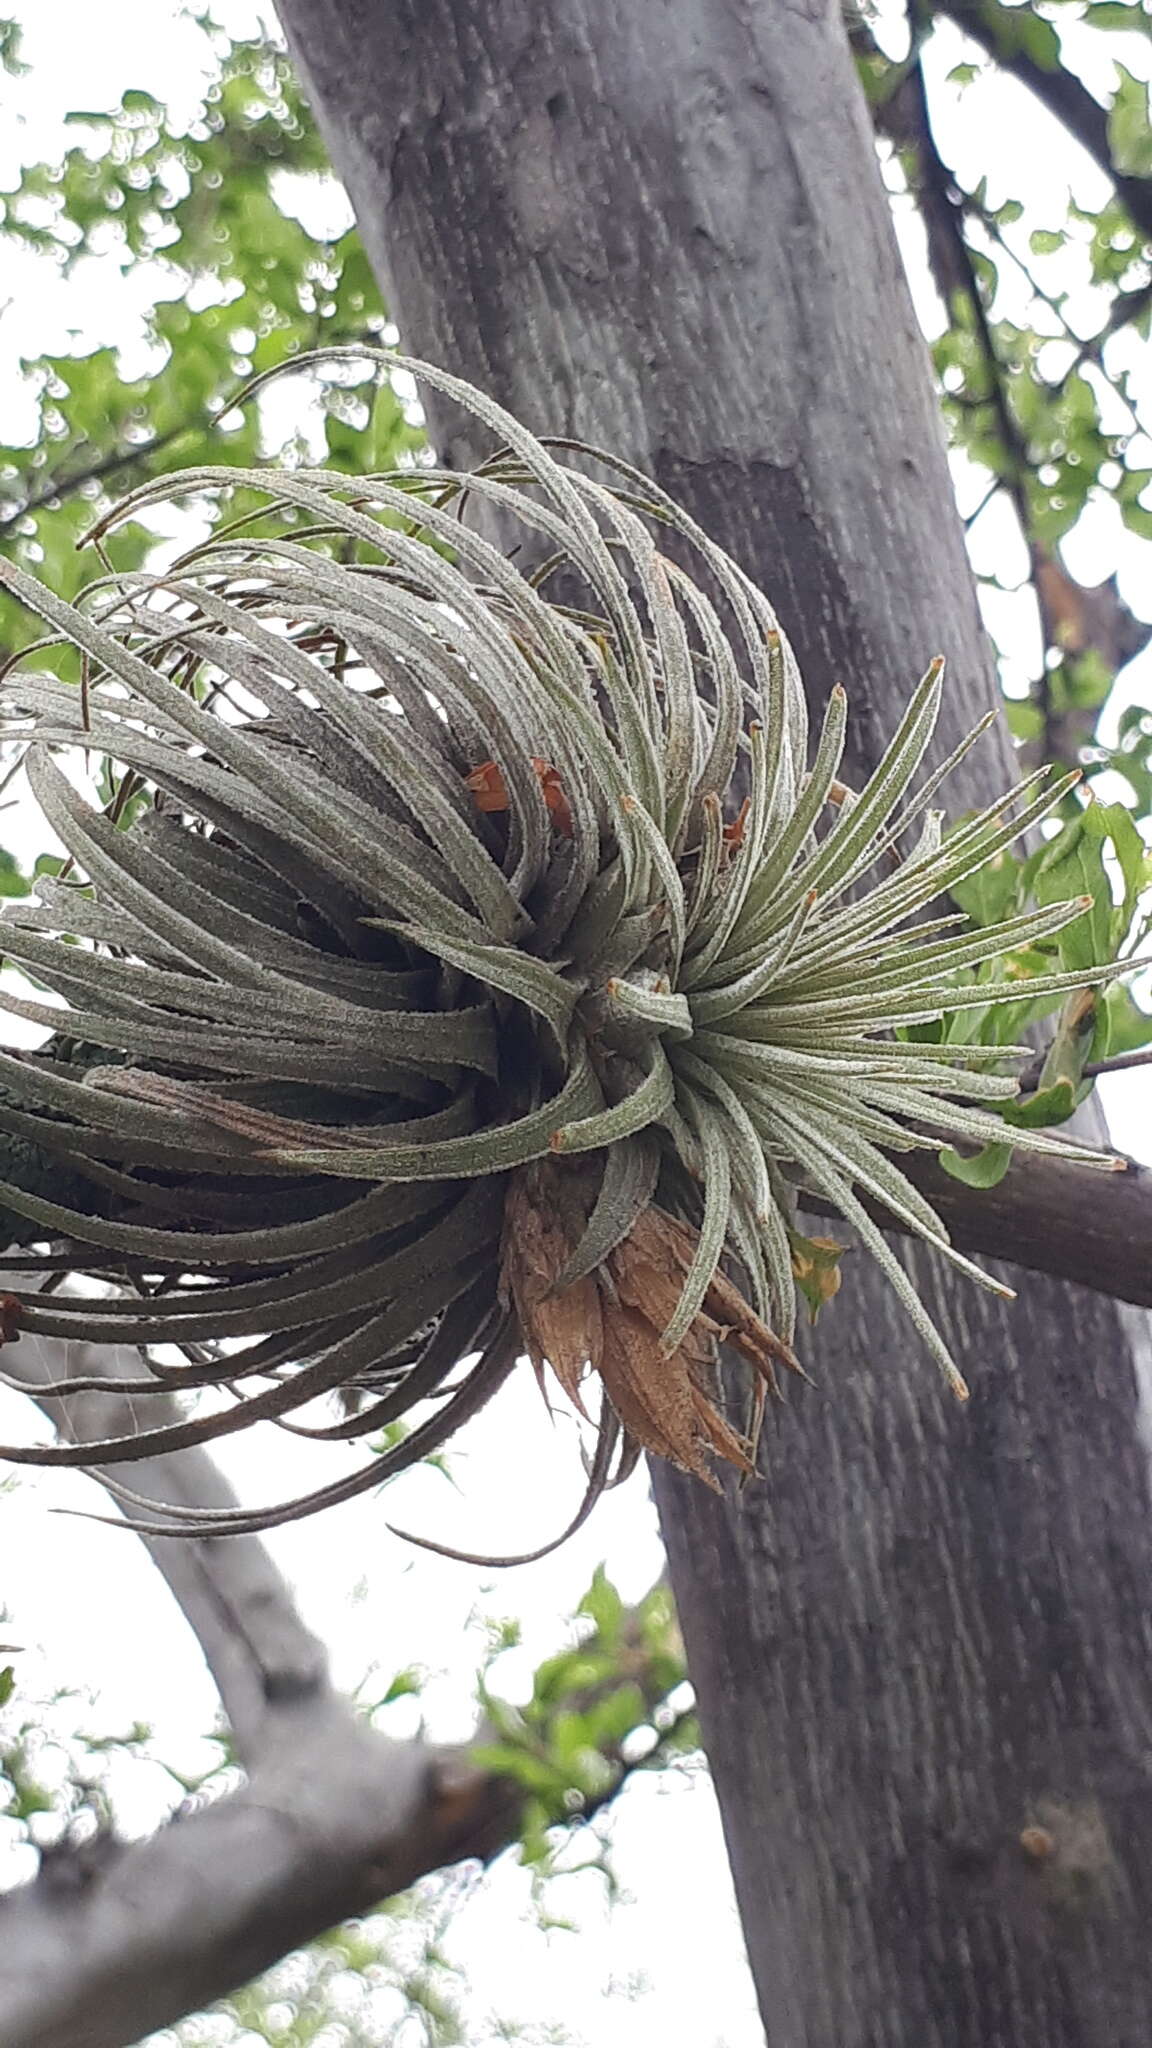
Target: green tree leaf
[{"x": 983, "y": 1169}]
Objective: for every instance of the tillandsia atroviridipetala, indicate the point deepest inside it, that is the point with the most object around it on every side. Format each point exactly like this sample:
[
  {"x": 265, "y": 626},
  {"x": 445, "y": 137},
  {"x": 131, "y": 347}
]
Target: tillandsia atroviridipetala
[{"x": 481, "y": 957}]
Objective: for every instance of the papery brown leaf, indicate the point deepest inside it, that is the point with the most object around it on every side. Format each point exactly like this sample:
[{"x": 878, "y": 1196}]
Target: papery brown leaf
[
  {"x": 568, "y": 1330},
  {"x": 534, "y": 1243},
  {"x": 650, "y": 1396},
  {"x": 735, "y": 1323},
  {"x": 613, "y": 1321},
  {"x": 650, "y": 1268},
  {"x": 544, "y": 1215},
  {"x": 659, "y": 1400}
]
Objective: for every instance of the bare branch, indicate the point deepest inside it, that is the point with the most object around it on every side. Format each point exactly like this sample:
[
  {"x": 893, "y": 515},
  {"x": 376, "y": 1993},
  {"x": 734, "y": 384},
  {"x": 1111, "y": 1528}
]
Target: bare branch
[
  {"x": 1048, "y": 1215},
  {"x": 254, "y": 1642},
  {"x": 107, "y": 465},
  {"x": 99, "y": 1951},
  {"x": 334, "y": 1820},
  {"x": 1119, "y": 1063}
]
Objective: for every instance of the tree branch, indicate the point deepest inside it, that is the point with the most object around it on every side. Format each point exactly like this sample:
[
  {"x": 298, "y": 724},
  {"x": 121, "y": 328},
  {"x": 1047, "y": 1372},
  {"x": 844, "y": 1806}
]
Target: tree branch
[
  {"x": 256, "y": 1646},
  {"x": 1062, "y": 93},
  {"x": 1048, "y": 1215},
  {"x": 60, "y": 487},
  {"x": 1119, "y": 1063},
  {"x": 906, "y": 119},
  {"x": 99, "y": 1955},
  {"x": 99, "y": 1951},
  {"x": 1065, "y": 610}
]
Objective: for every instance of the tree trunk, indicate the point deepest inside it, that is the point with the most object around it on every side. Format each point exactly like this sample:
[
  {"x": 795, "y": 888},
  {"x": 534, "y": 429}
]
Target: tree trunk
[{"x": 921, "y": 1645}]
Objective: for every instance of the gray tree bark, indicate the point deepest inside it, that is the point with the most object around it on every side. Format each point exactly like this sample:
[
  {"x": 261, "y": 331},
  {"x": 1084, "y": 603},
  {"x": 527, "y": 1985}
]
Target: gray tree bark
[{"x": 922, "y": 1645}]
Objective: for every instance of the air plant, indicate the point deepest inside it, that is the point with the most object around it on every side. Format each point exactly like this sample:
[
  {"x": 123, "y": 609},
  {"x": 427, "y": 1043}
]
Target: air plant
[{"x": 485, "y": 964}]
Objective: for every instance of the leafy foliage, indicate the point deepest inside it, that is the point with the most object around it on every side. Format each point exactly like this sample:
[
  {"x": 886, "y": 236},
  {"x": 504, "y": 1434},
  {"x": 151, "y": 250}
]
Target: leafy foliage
[
  {"x": 243, "y": 283},
  {"x": 57, "y": 1772},
  {"x": 1044, "y": 311},
  {"x": 383, "y": 1982},
  {"x": 1042, "y": 324},
  {"x": 1099, "y": 857},
  {"x": 610, "y": 1703},
  {"x": 613, "y": 1700}
]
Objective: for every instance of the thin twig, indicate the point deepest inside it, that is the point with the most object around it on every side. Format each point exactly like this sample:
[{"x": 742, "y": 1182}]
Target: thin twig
[
  {"x": 125, "y": 458},
  {"x": 1119, "y": 1063},
  {"x": 946, "y": 208},
  {"x": 121, "y": 458}
]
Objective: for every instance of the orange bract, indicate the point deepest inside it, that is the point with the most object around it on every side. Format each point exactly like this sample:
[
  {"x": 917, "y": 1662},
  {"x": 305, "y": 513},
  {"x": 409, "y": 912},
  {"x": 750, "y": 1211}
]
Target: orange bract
[
  {"x": 734, "y": 831},
  {"x": 490, "y": 791}
]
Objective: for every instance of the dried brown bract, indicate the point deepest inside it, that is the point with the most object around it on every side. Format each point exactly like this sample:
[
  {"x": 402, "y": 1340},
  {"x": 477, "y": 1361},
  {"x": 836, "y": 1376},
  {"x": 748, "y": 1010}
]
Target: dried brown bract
[{"x": 612, "y": 1320}]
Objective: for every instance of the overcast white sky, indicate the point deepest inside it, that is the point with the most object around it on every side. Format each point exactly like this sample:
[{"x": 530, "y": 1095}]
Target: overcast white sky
[{"x": 87, "y": 1594}]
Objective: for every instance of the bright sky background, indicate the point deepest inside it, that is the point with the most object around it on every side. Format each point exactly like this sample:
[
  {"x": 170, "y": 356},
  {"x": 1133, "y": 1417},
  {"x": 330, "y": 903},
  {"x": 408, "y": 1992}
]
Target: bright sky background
[{"x": 88, "y": 1597}]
